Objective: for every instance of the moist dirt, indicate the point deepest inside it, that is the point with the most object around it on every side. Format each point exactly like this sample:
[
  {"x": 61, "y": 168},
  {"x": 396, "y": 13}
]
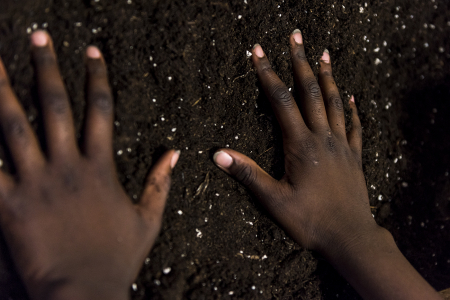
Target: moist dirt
[{"x": 182, "y": 79}]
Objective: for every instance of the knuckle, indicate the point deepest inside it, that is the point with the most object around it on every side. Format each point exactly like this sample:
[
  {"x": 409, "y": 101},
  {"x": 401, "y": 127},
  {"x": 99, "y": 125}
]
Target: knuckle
[
  {"x": 102, "y": 100},
  {"x": 16, "y": 127},
  {"x": 330, "y": 144},
  {"x": 56, "y": 101},
  {"x": 246, "y": 175},
  {"x": 266, "y": 70},
  {"x": 306, "y": 150},
  {"x": 97, "y": 69},
  {"x": 70, "y": 180},
  {"x": 327, "y": 72},
  {"x": 160, "y": 182},
  {"x": 309, "y": 149},
  {"x": 336, "y": 102},
  {"x": 281, "y": 95},
  {"x": 312, "y": 88},
  {"x": 45, "y": 58},
  {"x": 300, "y": 54}
]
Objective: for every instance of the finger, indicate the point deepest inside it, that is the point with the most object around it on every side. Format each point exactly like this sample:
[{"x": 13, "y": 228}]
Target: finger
[
  {"x": 153, "y": 200},
  {"x": 283, "y": 104},
  {"x": 354, "y": 136},
  {"x": 247, "y": 172},
  {"x": 333, "y": 102},
  {"x": 53, "y": 96},
  {"x": 18, "y": 134},
  {"x": 99, "y": 121},
  {"x": 311, "y": 102}
]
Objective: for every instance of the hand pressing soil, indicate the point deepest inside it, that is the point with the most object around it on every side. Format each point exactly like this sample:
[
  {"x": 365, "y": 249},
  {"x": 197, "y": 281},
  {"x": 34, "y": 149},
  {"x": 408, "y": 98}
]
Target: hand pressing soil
[
  {"x": 322, "y": 199},
  {"x": 71, "y": 230}
]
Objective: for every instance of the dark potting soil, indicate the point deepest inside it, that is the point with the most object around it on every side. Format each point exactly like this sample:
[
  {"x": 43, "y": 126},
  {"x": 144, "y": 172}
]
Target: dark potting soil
[{"x": 182, "y": 79}]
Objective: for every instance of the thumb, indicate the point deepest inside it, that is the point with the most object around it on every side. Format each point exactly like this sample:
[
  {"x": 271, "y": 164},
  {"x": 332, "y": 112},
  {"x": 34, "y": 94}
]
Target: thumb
[
  {"x": 247, "y": 172},
  {"x": 157, "y": 187}
]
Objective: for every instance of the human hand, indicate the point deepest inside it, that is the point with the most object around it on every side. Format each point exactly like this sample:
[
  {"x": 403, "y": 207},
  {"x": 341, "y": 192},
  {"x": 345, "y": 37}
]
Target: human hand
[
  {"x": 322, "y": 199},
  {"x": 70, "y": 227}
]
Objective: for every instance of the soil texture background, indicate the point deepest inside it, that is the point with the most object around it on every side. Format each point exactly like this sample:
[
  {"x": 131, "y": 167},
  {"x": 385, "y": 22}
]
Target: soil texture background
[{"x": 182, "y": 79}]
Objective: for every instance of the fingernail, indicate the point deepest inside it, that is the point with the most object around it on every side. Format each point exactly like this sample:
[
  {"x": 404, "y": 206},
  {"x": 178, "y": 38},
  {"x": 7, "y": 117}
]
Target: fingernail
[
  {"x": 258, "y": 50},
  {"x": 39, "y": 38},
  {"x": 298, "y": 36},
  {"x": 93, "y": 52},
  {"x": 352, "y": 99},
  {"x": 223, "y": 159},
  {"x": 175, "y": 158},
  {"x": 326, "y": 56}
]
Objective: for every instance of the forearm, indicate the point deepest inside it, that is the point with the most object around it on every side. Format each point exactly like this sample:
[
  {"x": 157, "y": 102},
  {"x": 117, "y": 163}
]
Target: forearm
[{"x": 377, "y": 269}]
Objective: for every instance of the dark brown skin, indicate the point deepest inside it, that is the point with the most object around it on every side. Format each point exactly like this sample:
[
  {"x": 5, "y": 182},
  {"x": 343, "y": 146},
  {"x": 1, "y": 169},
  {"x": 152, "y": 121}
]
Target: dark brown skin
[
  {"x": 322, "y": 199},
  {"x": 72, "y": 231},
  {"x": 74, "y": 234}
]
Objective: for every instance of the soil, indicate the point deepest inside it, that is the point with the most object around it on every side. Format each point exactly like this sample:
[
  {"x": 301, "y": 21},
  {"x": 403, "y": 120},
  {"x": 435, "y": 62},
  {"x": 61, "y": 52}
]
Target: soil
[{"x": 183, "y": 64}]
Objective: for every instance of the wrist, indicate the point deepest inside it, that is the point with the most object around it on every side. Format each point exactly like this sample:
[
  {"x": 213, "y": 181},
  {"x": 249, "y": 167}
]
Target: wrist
[{"x": 367, "y": 238}]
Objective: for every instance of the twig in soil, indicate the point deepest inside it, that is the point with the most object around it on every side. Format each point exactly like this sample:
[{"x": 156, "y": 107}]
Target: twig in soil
[
  {"x": 265, "y": 151},
  {"x": 196, "y": 102},
  {"x": 242, "y": 76},
  {"x": 202, "y": 187}
]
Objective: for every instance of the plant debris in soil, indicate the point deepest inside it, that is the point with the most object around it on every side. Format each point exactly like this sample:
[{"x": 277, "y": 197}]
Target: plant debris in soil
[{"x": 182, "y": 78}]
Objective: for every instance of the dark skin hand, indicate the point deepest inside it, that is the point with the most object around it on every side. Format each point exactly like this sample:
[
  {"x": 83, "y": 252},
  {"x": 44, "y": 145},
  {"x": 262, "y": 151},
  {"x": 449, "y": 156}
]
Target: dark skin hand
[
  {"x": 72, "y": 231},
  {"x": 322, "y": 200}
]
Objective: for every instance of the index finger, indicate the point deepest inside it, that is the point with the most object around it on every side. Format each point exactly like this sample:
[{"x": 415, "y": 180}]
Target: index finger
[
  {"x": 281, "y": 99},
  {"x": 18, "y": 133}
]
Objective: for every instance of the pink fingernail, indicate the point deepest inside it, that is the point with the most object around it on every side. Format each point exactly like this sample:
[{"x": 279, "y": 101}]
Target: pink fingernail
[
  {"x": 326, "y": 56},
  {"x": 258, "y": 50},
  {"x": 352, "y": 99},
  {"x": 298, "y": 36},
  {"x": 93, "y": 52},
  {"x": 175, "y": 158},
  {"x": 223, "y": 159},
  {"x": 39, "y": 38}
]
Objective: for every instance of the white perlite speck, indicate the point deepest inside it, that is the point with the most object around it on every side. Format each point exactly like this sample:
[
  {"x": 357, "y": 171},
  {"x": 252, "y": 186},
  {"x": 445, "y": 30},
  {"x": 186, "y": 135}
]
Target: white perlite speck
[{"x": 167, "y": 270}]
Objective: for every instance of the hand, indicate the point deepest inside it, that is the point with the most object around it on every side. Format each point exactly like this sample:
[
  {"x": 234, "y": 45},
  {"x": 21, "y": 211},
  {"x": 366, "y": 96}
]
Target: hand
[
  {"x": 322, "y": 199},
  {"x": 70, "y": 227}
]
